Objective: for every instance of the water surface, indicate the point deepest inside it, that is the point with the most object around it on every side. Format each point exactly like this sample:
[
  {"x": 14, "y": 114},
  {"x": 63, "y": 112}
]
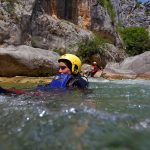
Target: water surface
[{"x": 110, "y": 115}]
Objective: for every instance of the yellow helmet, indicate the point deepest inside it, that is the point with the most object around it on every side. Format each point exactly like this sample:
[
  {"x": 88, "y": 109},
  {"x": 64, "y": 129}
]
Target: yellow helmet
[{"x": 74, "y": 60}]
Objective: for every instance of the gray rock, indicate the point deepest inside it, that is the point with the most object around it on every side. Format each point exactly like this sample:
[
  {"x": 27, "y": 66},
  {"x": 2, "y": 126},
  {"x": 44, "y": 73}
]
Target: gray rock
[
  {"x": 131, "y": 13},
  {"x": 59, "y": 33},
  {"x": 27, "y": 61},
  {"x": 138, "y": 66}
]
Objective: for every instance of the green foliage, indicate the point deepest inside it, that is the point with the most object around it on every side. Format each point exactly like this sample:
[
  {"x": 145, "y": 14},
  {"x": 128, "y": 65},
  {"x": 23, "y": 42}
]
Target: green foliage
[
  {"x": 10, "y": 6},
  {"x": 101, "y": 38},
  {"x": 108, "y": 5},
  {"x": 136, "y": 40},
  {"x": 138, "y": 3},
  {"x": 92, "y": 47},
  {"x": 147, "y": 12},
  {"x": 87, "y": 49},
  {"x": 10, "y": 1}
]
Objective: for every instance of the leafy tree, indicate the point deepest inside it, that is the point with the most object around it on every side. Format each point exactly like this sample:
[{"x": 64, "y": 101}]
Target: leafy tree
[{"x": 136, "y": 40}]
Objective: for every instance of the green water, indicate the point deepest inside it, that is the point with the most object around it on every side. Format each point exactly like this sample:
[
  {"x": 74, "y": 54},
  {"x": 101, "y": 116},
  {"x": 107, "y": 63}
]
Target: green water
[{"x": 110, "y": 115}]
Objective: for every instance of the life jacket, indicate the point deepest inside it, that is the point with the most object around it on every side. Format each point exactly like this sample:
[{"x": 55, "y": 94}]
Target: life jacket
[
  {"x": 94, "y": 68},
  {"x": 59, "y": 82},
  {"x": 78, "y": 81}
]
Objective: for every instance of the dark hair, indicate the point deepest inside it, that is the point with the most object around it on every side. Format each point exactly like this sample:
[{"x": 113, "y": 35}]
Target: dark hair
[{"x": 67, "y": 63}]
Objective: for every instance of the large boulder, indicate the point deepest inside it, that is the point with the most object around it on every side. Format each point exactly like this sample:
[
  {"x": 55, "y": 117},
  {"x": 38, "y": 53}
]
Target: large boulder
[
  {"x": 132, "y": 67},
  {"x": 27, "y": 61}
]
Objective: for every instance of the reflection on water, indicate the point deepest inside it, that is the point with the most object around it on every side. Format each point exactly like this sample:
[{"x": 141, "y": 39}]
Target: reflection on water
[{"x": 110, "y": 115}]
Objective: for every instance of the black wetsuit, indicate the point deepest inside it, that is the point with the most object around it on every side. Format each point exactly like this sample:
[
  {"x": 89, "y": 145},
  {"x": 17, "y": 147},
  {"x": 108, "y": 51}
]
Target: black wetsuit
[
  {"x": 11, "y": 91},
  {"x": 77, "y": 81}
]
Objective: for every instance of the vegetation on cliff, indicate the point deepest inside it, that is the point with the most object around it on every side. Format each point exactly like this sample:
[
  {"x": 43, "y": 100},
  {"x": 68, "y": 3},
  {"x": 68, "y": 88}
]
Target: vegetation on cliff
[
  {"x": 9, "y": 7},
  {"x": 136, "y": 40},
  {"x": 10, "y": 1},
  {"x": 88, "y": 48}
]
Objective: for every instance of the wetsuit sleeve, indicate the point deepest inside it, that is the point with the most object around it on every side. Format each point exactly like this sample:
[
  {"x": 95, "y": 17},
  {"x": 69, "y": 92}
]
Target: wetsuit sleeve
[
  {"x": 2, "y": 90},
  {"x": 12, "y": 91}
]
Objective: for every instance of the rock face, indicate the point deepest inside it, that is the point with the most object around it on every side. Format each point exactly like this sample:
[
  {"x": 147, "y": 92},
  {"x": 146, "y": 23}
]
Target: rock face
[
  {"x": 102, "y": 23},
  {"x": 132, "y": 13},
  {"x": 27, "y": 61},
  {"x": 57, "y": 34},
  {"x": 21, "y": 21},
  {"x": 76, "y": 11},
  {"x": 49, "y": 22},
  {"x": 60, "y": 25},
  {"x": 15, "y": 21}
]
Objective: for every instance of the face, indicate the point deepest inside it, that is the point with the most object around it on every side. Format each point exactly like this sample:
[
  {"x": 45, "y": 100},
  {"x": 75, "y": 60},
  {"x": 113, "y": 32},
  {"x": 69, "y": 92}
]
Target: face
[{"x": 63, "y": 69}]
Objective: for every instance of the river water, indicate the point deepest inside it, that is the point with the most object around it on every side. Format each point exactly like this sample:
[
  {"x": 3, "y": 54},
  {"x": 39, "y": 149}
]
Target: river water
[{"x": 110, "y": 115}]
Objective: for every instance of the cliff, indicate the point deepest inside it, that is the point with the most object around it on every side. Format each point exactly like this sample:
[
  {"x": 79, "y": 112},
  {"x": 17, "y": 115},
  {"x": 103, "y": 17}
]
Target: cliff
[
  {"x": 61, "y": 25},
  {"x": 20, "y": 20}
]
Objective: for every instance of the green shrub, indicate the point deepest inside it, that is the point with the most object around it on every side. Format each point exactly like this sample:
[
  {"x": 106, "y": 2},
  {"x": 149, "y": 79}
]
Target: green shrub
[
  {"x": 147, "y": 12},
  {"x": 138, "y": 3},
  {"x": 9, "y": 1},
  {"x": 10, "y": 6},
  {"x": 89, "y": 48},
  {"x": 136, "y": 40}
]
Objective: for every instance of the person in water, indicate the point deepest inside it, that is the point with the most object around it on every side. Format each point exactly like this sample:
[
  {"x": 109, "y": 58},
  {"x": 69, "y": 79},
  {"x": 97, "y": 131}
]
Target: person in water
[
  {"x": 94, "y": 69},
  {"x": 69, "y": 75},
  {"x": 71, "y": 64}
]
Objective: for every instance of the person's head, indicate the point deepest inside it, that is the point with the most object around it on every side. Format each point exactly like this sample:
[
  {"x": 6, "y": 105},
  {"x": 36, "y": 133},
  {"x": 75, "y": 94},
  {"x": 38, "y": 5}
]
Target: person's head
[
  {"x": 94, "y": 63},
  {"x": 69, "y": 64}
]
